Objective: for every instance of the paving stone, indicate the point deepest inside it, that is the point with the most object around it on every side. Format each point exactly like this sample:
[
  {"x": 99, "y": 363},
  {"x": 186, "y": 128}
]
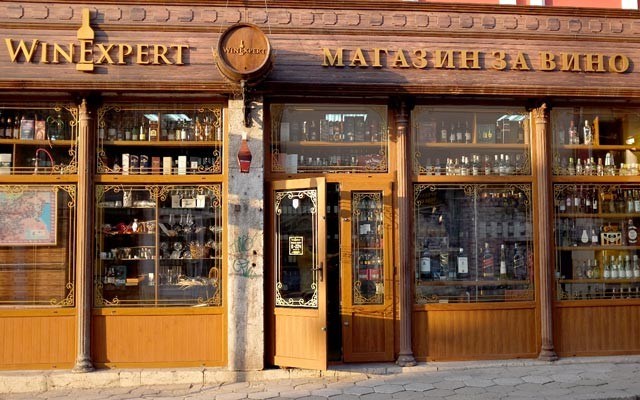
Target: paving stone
[
  {"x": 375, "y": 396},
  {"x": 390, "y": 389},
  {"x": 540, "y": 379},
  {"x": 263, "y": 395},
  {"x": 358, "y": 390},
  {"x": 310, "y": 386},
  {"x": 435, "y": 393},
  {"x": 477, "y": 382},
  {"x": 313, "y": 398},
  {"x": 231, "y": 396},
  {"x": 508, "y": 381},
  {"x": 345, "y": 397},
  {"x": 295, "y": 394},
  {"x": 470, "y": 390},
  {"x": 407, "y": 395},
  {"x": 326, "y": 392},
  {"x": 450, "y": 385},
  {"x": 419, "y": 387}
]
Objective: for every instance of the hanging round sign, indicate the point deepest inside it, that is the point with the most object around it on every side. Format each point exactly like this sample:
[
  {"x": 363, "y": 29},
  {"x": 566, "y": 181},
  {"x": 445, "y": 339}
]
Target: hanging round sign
[{"x": 244, "y": 54}]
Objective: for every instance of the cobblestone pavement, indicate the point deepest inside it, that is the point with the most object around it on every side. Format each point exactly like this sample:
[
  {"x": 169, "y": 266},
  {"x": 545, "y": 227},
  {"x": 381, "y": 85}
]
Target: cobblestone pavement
[{"x": 598, "y": 379}]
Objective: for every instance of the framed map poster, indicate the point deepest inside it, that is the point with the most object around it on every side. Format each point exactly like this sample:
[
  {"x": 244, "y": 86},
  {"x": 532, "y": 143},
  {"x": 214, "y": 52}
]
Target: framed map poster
[{"x": 28, "y": 217}]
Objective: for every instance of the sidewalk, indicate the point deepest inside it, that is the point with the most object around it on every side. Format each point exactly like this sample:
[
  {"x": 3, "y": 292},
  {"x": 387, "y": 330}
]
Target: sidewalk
[{"x": 570, "y": 378}]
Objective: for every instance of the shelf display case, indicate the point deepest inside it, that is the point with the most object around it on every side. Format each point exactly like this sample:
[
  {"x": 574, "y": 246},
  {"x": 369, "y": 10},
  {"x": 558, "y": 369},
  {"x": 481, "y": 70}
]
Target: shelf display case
[
  {"x": 160, "y": 139},
  {"x": 595, "y": 141},
  {"x": 474, "y": 243},
  {"x": 158, "y": 245},
  {"x": 597, "y": 244},
  {"x": 37, "y": 245},
  {"x": 38, "y": 140},
  {"x": 307, "y": 138},
  {"x": 368, "y": 247},
  {"x": 473, "y": 141}
]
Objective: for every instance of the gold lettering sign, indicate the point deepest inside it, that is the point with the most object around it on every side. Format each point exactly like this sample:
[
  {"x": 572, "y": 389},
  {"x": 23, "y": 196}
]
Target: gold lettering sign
[
  {"x": 498, "y": 60},
  {"x": 86, "y": 54},
  {"x": 296, "y": 247}
]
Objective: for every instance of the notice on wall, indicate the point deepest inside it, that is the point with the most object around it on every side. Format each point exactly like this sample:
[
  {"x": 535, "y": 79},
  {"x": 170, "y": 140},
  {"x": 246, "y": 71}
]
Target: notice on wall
[{"x": 296, "y": 245}]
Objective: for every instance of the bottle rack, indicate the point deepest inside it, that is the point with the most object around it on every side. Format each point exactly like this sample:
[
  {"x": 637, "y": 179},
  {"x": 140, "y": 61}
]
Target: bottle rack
[
  {"x": 159, "y": 140},
  {"x": 332, "y": 139},
  {"x": 368, "y": 248},
  {"x": 158, "y": 245},
  {"x": 39, "y": 140}
]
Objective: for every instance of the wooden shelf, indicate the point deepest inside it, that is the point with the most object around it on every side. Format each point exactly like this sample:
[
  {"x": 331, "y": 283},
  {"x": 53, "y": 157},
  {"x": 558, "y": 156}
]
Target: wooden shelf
[
  {"x": 497, "y": 282},
  {"x": 599, "y": 215},
  {"x": 323, "y": 144},
  {"x": 476, "y": 146},
  {"x": 474, "y": 179},
  {"x": 157, "y": 178},
  {"x": 600, "y": 280},
  {"x": 24, "y": 178},
  {"x": 590, "y": 179},
  {"x": 598, "y": 147},
  {"x": 163, "y": 143},
  {"x": 33, "y": 142},
  {"x": 596, "y": 248}
]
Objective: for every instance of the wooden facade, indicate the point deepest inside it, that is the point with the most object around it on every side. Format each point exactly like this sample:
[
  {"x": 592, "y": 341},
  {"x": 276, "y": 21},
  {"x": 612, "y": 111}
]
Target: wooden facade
[{"x": 387, "y": 54}]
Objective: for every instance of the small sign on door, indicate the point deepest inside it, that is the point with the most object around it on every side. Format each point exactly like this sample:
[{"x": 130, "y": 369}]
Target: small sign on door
[{"x": 295, "y": 245}]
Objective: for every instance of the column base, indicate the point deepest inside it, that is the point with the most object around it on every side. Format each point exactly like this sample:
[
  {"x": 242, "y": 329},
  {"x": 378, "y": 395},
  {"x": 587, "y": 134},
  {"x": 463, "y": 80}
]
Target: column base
[
  {"x": 547, "y": 355},
  {"x": 83, "y": 366},
  {"x": 406, "y": 360}
]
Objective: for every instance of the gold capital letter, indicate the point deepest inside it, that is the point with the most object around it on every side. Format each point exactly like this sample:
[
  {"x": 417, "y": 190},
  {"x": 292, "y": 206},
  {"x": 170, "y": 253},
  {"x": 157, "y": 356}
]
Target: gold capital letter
[
  {"x": 547, "y": 62},
  {"x": 124, "y": 50},
  {"x": 594, "y": 63},
  {"x": 358, "y": 59},
  {"x": 623, "y": 61},
  {"x": 443, "y": 57},
  {"x": 467, "y": 57},
  {"x": 86, "y": 56},
  {"x": 179, "y": 52},
  {"x": 22, "y": 48},
  {"x": 160, "y": 51},
  {"x": 421, "y": 56},
  {"x": 570, "y": 62},
  {"x": 105, "y": 54},
  {"x": 500, "y": 63},
  {"x": 330, "y": 60},
  {"x": 521, "y": 62},
  {"x": 376, "y": 57},
  {"x": 142, "y": 54},
  {"x": 400, "y": 61}
]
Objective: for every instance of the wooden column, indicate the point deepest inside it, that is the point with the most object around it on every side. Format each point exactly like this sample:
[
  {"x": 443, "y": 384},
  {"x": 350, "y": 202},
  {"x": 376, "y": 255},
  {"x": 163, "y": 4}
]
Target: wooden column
[
  {"x": 545, "y": 234},
  {"x": 405, "y": 357},
  {"x": 84, "y": 239}
]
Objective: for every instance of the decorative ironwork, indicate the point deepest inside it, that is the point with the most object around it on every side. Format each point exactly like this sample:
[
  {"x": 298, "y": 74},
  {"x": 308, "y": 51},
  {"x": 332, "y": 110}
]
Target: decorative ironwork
[
  {"x": 359, "y": 298},
  {"x": 159, "y": 192},
  {"x": 419, "y": 188},
  {"x": 312, "y": 194},
  {"x": 71, "y": 191},
  {"x": 68, "y": 300},
  {"x": 299, "y": 302},
  {"x": 100, "y": 301}
]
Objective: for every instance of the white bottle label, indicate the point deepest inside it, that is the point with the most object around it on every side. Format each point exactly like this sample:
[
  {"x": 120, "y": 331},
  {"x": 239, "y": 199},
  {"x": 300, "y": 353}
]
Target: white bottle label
[
  {"x": 425, "y": 265},
  {"x": 503, "y": 268},
  {"x": 463, "y": 265}
]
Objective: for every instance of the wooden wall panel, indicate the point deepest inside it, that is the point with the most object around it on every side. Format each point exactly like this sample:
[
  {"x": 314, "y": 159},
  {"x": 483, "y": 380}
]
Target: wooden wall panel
[
  {"x": 451, "y": 334},
  {"x": 121, "y": 340},
  {"x": 597, "y": 330},
  {"x": 37, "y": 341}
]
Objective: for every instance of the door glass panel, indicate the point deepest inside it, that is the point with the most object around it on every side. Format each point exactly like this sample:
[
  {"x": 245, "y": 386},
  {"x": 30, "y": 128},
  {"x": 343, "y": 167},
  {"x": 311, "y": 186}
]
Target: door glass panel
[
  {"x": 297, "y": 248},
  {"x": 367, "y": 241}
]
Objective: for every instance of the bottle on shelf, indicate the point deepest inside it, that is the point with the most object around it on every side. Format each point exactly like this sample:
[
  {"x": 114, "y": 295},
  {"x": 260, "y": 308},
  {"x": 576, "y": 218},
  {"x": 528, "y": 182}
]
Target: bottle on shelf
[
  {"x": 587, "y": 134},
  {"x": 636, "y": 267},
  {"x": 632, "y": 233},
  {"x": 519, "y": 271},
  {"x": 425, "y": 262},
  {"x": 614, "y": 268},
  {"x": 503, "y": 262},
  {"x": 463, "y": 264},
  {"x": 488, "y": 263},
  {"x": 628, "y": 270},
  {"x": 573, "y": 133}
]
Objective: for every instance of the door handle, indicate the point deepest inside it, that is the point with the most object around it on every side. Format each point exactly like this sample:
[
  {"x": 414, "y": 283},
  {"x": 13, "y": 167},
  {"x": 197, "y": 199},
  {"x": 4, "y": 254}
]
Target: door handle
[
  {"x": 319, "y": 269},
  {"x": 323, "y": 329},
  {"x": 346, "y": 323}
]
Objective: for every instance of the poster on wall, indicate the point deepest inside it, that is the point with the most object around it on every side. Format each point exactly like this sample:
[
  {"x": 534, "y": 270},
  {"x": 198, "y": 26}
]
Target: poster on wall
[{"x": 28, "y": 217}]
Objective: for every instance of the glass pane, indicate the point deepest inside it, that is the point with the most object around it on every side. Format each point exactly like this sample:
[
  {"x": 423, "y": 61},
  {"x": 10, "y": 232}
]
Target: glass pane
[
  {"x": 336, "y": 138},
  {"x": 160, "y": 139},
  {"x": 159, "y": 245},
  {"x": 595, "y": 141},
  {"x": 37, "y": 242},
  {"x": 597, "y": 241},
  {"x": 38, "y": 140},
  {"x": 126, "y": 239},
  {"x": 473, "y": 243},
  {"x": 368, "y": 248},
  {"x": 471, "y": 141},
  {"x": 190, "y": 235},
  {"x": 297, "y": 247}
]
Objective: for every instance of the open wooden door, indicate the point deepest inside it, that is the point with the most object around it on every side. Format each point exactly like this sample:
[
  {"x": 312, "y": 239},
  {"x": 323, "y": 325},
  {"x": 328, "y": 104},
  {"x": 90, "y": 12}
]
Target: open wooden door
[
  {"x": 367, "y": 273},
  {"x": 299, "y": 241}
]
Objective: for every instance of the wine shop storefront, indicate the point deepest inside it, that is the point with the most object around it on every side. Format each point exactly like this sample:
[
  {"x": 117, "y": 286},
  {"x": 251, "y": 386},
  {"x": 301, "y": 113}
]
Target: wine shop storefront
[{"x": 231, "y": 185}]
